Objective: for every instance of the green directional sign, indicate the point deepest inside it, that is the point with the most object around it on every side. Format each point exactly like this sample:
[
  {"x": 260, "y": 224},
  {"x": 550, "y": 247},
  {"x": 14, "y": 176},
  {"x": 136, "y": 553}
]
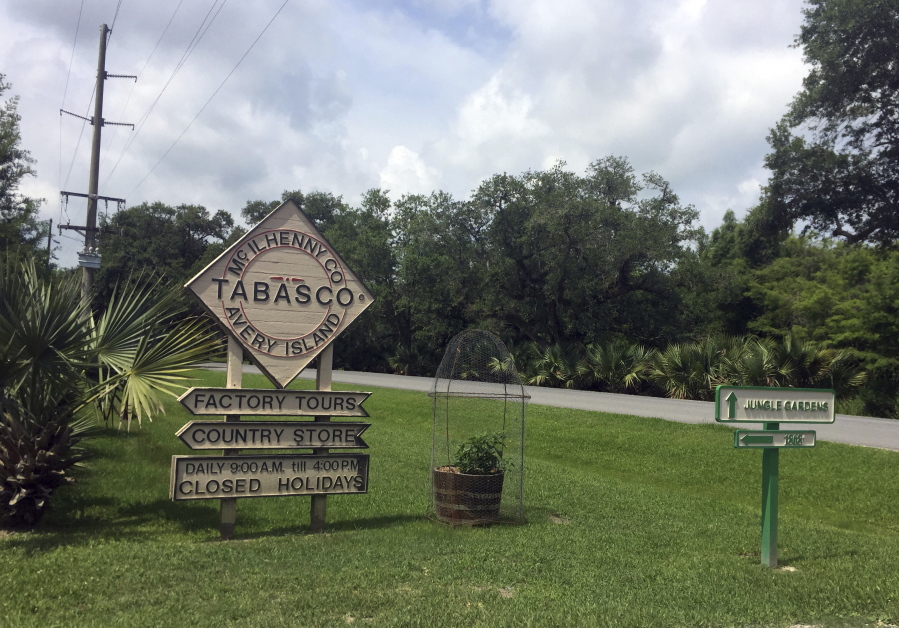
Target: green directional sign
[
  {"x": 756, "y": 404},
  {"x": 771, "y": 407},
  {"x": 773, "y": 438}
]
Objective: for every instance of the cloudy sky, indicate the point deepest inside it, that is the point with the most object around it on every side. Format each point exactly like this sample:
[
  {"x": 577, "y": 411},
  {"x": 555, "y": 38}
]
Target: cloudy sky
[{"x": 410, "y": 96}]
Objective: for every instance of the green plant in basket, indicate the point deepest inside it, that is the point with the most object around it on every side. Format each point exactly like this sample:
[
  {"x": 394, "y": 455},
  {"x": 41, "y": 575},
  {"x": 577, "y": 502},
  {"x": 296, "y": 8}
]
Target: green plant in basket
[
  {"x": 469, "y": 490},
  {"x": 482, "y": 455}
]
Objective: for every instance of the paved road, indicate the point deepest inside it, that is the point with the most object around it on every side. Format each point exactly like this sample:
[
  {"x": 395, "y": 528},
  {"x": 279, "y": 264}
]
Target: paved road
[{"x": 853, "y": 430}]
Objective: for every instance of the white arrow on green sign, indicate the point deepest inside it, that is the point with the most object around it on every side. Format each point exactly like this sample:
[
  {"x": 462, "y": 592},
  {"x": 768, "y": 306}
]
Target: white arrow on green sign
[
  {"x": 773, "y": 438},
  {"x": 756, "y": 404}
]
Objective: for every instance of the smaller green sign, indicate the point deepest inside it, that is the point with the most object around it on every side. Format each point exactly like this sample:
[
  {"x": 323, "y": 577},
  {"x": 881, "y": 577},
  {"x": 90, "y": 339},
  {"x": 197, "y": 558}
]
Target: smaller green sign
[{"x": 774, "y": 438}]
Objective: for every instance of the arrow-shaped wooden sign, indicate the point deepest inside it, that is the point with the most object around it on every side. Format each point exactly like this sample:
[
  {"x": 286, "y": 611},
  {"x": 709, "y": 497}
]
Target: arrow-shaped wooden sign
[
  {"x": 273, "y": 435},
  {"x": 267, "y": 402}
]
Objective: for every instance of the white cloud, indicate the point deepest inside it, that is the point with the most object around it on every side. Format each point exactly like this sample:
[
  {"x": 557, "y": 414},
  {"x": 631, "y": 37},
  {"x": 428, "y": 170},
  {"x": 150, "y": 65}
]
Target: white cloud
[
  {"x": 494, "y": 128},
  {"x": 495, "y": 112},
  {"x": 343, "y": 96},
  {"x": 406, "y": 173},
  {"x": 749, "y": 187}
]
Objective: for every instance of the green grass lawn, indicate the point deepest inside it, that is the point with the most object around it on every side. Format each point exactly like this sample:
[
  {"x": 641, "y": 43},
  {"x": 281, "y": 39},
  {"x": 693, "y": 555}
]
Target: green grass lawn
[{"x": 631, "y": 522}]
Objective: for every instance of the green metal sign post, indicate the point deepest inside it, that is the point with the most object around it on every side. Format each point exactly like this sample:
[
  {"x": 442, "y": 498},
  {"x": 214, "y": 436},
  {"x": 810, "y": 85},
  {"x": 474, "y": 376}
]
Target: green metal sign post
[
  {"x": 770, "y": 463},
  {"x": 771, "y": 407}
]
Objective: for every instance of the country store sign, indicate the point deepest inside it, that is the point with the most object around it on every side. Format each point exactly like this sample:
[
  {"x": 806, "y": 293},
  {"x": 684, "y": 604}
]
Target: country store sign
[{"x": 282, "y": 294}]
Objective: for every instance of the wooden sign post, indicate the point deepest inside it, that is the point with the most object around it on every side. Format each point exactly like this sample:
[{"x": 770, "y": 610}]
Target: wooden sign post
[
  {"x": 234, "y": 379},
  {"x": 319, "y": 511},
  {"x": 282, "y": 294}
]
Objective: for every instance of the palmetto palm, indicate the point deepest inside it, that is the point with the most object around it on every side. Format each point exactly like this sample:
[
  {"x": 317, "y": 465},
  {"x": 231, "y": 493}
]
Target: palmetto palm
[
  {"x": 44, "y": 348},
  {"x": 808, "y": 361},
  {"x": 844, "y": 373},
  {"x": 56, "y": 360},
  {"x": 554, "y": 366},
  {"x": 44, "y": 343},
  {"x": 758, "y": 362},
  {"x": 814, "y": 366},
  {"x": 618, "y": 366},
  {"x": 144, "y": 347},
  {"x": 692, "y": 370}
]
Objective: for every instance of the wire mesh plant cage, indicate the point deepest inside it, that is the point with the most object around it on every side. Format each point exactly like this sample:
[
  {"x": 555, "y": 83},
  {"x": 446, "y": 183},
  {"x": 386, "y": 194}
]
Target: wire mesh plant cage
[{"x": 477, "y": 444}]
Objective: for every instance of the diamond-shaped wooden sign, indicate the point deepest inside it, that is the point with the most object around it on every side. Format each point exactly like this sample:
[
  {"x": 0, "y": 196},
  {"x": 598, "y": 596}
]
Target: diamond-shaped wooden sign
[{"x": 283, "y": 292}]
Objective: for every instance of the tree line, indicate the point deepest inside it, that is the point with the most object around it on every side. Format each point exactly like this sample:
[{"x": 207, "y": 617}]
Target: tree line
[{"x": 572, "y": 270}]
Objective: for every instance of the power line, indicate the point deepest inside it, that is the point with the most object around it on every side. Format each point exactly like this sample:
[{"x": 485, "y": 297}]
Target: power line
[
  {"x": 81, "y": 135},
  {"x": 131, "y": 92},
  {"x": 255, "y": 41},
  {"x": 114, "y": 18},
  {"x": 191, "y": 46},
  {"x": 72, "y": 56},
  {"x": 65, "y": 92},
  {"x": 164, "y": 31}
]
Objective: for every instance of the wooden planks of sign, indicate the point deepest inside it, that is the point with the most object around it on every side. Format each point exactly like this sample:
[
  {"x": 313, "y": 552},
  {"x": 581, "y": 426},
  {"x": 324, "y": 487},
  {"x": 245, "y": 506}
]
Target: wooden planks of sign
[
  {"x": 276, "y": 475},
  {"x": 282, "y": 294},
  {"x": 266, "y": 402},
  {"x": 200, "y": 435}
]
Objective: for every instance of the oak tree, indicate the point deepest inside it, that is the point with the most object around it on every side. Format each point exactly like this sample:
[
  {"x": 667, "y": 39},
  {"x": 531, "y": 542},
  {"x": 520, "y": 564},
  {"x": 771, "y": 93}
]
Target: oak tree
[
  {"x": 835, "y": 154},
  {"x": 20, "y": 230}
]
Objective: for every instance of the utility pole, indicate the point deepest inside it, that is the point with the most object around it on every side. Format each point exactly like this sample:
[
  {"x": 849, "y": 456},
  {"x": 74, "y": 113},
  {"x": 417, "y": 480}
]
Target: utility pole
[
  {"x": 49, "y": 244},
  {"x": 89, "y": 258},
  {"x": 90, "y": 236}
]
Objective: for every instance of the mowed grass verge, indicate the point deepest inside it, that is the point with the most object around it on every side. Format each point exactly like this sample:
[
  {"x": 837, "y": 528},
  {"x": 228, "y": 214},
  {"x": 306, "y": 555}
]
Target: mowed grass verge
[{"x": 631, "y": 522}]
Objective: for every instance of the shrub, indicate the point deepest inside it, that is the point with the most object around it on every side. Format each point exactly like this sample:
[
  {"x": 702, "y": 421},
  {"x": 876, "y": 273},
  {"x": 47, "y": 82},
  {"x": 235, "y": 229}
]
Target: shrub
[
  {"x": 35, "y": 454},
  {"x": 56, "y": 359},
  {"x": 554, "y": 366},
  {"x": 618, "y": 366},
  {"x": 481, "y": 455},
  {"x": 691, "y": 370}
]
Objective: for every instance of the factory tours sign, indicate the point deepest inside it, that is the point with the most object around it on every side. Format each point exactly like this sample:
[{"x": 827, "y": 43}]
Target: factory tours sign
[{"x": 261, "y": 402}]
